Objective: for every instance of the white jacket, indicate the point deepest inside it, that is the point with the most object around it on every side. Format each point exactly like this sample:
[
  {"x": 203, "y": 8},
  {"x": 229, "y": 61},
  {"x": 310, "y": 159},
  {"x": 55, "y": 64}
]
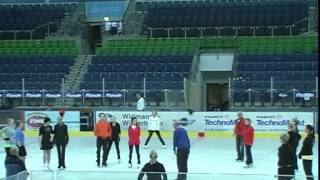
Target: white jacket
[
  {"x": 140, "y": 104},
  {"x": 154, "y": 123}
]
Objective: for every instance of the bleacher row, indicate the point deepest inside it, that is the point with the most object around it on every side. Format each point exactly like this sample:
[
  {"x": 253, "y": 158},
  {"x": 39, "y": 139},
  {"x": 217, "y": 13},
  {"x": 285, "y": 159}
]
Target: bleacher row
[
  {"x": 37, "y": 48},
  {"x": 159, "y": 72},
  {"x": 288, "y": 71},
  {"x": 194, "y": 14},
  {"x": 244, "y": 45},
  {"x": 32, "y": 17}
]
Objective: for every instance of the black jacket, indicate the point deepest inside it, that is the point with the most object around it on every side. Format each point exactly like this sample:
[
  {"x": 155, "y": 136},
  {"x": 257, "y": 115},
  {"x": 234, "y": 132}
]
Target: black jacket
[
  {"x": 157, "y": 167},
  {"x": 294, "y": 139},
  {"x": 14, "y": 165},
  {"x": 307, "y": 146},
  {"x": 61, "y": 134},
  {"x": 115, "y": 131},
  {"x": 285, "y": 153}
]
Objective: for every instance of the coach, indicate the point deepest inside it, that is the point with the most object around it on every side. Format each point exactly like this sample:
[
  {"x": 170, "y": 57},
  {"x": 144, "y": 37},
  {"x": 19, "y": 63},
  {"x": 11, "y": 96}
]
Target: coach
[{"x": 181, "y": 147}]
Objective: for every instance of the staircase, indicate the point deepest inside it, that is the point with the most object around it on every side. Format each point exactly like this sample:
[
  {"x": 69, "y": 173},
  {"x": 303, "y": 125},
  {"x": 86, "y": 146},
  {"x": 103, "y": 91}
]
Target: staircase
[{"x": 79, "y": 68}]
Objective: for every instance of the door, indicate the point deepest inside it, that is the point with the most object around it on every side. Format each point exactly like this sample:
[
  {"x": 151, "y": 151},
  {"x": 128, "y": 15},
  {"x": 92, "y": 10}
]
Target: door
[
  {"x": 94, "y": 37},
  {"x": 217, "y": 97}
]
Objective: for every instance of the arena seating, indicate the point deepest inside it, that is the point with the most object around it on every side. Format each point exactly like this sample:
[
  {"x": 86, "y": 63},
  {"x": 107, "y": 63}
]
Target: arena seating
[
  {"x": 290, "y": 71},
  {"x": 128, "y": 72},
  {"x": 42, "y": 64},
  {"x": 24, "y": 17},
  {"x": 194, "y": 14}
]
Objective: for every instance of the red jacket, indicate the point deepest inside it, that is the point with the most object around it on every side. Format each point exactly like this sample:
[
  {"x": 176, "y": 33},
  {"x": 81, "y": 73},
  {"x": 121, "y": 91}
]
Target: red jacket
[
  {"x": 134, "y": 135},
  {"x": 239, "y": 126},
  {"x": 247, "y": 135}
]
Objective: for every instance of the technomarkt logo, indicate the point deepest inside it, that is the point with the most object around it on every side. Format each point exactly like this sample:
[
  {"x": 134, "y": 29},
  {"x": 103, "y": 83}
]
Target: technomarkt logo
[{"x": 185, "y": 122}]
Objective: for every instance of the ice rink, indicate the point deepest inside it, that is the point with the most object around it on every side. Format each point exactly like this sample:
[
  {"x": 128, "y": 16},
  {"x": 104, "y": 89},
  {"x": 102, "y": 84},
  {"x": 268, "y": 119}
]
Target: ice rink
[{"x": 210, "y": 158}]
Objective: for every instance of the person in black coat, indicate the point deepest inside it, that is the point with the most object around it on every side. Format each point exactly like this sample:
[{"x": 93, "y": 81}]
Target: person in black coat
[
  {"x": 294, "y": 138},
  {"x": 61, "y": 139},
  {"x": 285, "y": 160},
  {"x": 153, "y": 166},
  {"x": 306, "y": 151},
  {"x": 46, "y": 142},
  {"x": 15, "y": 165},
  {"x": 115, "y": 136}
]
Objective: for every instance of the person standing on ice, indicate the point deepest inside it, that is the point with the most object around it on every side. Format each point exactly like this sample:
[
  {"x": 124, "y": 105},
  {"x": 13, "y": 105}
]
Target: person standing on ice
[
  {"x": 134, "y": 140},
  {"x": 248, "y": 136},
  {"x": 237, "y": 132},
  {"x": 294, "y": 138},
  {"x": 115, "y": 137},
  {"x": 306, "y": 151},
  {"x": 154, "y": 127},
  {"x": 181, "y": 148},
  {"x": 46, "y": 142},
  {"x": 285, "y": 160},
  {"x": 102, "y": 131}
]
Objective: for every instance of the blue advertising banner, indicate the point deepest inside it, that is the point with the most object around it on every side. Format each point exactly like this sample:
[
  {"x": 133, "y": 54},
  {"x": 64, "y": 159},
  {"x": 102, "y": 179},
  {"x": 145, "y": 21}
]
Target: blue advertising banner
[
  {"x": 34, "y": 119},
  {"x": 105, "y": 9}
]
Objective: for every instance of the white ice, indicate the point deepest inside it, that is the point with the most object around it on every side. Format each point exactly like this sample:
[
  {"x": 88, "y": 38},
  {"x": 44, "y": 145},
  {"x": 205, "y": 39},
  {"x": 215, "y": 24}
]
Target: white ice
[{"x": 210, "y": 158}]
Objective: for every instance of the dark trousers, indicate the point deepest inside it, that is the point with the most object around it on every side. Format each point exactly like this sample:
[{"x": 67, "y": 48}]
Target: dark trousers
[
  {"x": 248, "y": 154},
  {"x": 61, "y": 148},
  {"x": 285, "y": 171},
  {"x": 295, "y": 159},
  {"x": 116, "y": 142},
  {"x": 137, "y": 152},
  {"x": 239, "y": 147},
  {"x": 104, "y": 144},
  {"x": 307, "y": 166},
  {"x": 182, "y": 162},
  {"x": 150, "y": 134}
]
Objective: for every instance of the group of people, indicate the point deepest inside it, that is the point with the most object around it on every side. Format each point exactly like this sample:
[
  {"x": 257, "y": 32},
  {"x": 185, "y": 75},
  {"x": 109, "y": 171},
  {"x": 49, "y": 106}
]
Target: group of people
[
  {"x": 108, "y": 133},
  {"x": 287, "y": 152}
]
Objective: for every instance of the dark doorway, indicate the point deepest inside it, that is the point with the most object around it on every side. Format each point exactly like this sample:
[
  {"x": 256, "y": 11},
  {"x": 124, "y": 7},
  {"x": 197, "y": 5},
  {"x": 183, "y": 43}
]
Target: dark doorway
[
  {"x": 217, "y": 97},
  {"x": 94, "y": 37}
]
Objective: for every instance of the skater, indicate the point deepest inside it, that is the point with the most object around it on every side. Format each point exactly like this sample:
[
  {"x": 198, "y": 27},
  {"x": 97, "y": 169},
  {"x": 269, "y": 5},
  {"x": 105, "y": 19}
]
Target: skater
[
  {"x": 103, "y": 132},
  {"x": 153, "y": 166},
  {"x": 285, "y": 161},
  {"x": 134, "y": 140},
  {"x": 294, "y": 138},
  {"x": 248, "y": 136},
  {"x": 45, "y": 142},
  {"x": 20, "y": 141},
  {"x": 306, "y": 151},
  {"x": 154, "y": 127},
  {"x": 14, "y": 165},
  {"x": 237, "y": 132},
  {"x": 8, "y": 135},
  {"x": 140, "y": 103},
  {"x": 61, "y": 139},
  {"x": 181, "y": 148},
  {"x": 115, "y": 137}
]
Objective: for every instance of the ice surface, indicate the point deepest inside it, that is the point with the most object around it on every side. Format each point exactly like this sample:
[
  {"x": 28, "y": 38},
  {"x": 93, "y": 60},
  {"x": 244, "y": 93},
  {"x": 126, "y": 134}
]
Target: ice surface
[{"x": 212, "y": 158}]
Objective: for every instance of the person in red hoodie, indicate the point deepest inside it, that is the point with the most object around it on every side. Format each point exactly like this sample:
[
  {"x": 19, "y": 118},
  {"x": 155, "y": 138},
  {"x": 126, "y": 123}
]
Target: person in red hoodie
[
  {"x": 134, "y": 140},
  {"x": 102, "y": 131},
  {"x": 247, "y": 137},
  {"x": 237, "y": 132}
]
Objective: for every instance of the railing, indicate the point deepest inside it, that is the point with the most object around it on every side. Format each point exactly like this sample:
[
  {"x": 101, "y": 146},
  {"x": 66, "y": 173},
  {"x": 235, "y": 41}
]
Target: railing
[
  {"x": 20, "y": 176},
  {"x": 276, "y": 30},
  {"x": 126, "y": 175}
]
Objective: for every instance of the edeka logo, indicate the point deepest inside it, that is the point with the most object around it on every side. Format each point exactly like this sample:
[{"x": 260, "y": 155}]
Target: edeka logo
[
  {"x": 185, "y": 122},
  {"x": 277, "y": 122},
  {"x": 35, "y": 120}
]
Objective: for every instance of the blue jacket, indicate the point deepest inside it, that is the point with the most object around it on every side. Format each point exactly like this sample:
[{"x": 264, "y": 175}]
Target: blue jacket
[{"x": 180, "y": 139}]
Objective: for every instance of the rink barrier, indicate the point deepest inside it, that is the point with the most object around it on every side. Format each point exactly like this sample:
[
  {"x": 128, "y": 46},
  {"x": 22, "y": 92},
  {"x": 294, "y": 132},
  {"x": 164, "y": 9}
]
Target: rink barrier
[
  {"x": 126, "y": 175},
  {"x": 169, "y": 134}
]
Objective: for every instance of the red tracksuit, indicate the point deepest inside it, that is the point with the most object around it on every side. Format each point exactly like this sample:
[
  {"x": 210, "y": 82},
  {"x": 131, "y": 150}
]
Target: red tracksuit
[
  {"x": 239, "y": 126},
  {"x": 134, "y": 140}
]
